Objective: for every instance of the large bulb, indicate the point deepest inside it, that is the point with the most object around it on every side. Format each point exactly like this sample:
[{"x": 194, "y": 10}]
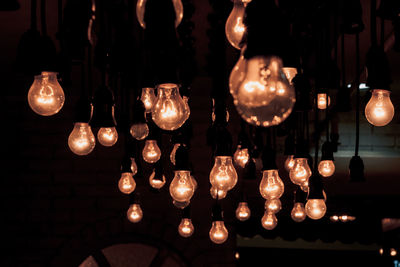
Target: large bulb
[
  {"x": 290, "y": 73},
  {"x": 126, "y": 183},
  {"x": 148, "y": 97},
  {"x": 157, "y": 183},
  {"x": 234, "y": 26},
  {"x": 379, "y": 110},
  {"x": 141, "y": 8},
  {"x": 223, "y": 175},
  {"x": 289, "y": 163},
  {"x": 321, "y": 101},
  {"x": 326, "y": 168},
  {"x": 241, "y": 156},
  {"x": 46, "y": 97},
  {"x": 269, "y": 220},
  {"x": 273, "y": 205},
  {"x": 134, "y": 213},
  {"x": 181, "y": 188},
  {"x": 315, "y": 208},
  {"x": 298, "y": 213},
  {"x": 151, "y": 152},
  {"x": 107, "y": 136},
  {"x": 243, "y": 212},
  {"x": 186, "y": 227},
  {"x": 218, "y": 232},
  {"x": 81, "y": 141},
  {"x": 134, "y": 167},
  {"x": 215, "y": 192},
  {"x": 300, "y": 172},
  {"x": 139, "y": 131},
  {"x": 170, "y": 111},
  {"x": 271, "y": 185}
]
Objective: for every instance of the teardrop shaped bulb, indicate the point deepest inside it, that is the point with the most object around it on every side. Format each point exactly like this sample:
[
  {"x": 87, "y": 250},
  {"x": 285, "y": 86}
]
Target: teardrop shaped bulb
[{"x": 81, "y": 141}]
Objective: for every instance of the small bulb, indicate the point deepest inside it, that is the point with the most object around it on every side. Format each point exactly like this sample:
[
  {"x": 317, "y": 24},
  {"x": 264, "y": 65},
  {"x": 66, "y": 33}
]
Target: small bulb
[
  {"x": 218, "y": 232},
  {"x": 126, "y": 183},
  {"x": 326, "y": 168},
  {"x": 234, "y": 26},
  {"x": 141, "y": 8},
  {"x": 334, "y": 218},
  {"x": 289, "y": 162},
  {"x": 241, "y": 156},
  {"x": 81, "y": 141},
  {"x": 181, "y": 188},
  {"x": 148, "y": 97},
  {"x": 107, "y": 136},
  {"x": 134, "y": 167},
  {"x": 273, "y": 205},
  {"x": 271, "y": 185},
  {"x": 344, "y": 218},
  {"x": 156, "y": 183},
  {"x": 381, "y": 251},
  {"x": 379, "y": 110},
  {"x": 214, "y": 192},
  {"x": 186, "y": 227},
  {"x": 393, "y": 252},
  {"x": 315, "y": 208},
  {"x": 243, "y": 212},
  {"x": 269, "y": 221},
  {"x": 298, "y": 213},
  {"x": 321, "y": 101},
  {"x": 300, "y": 172},
  {"x": 180, "y": 205},
  {"x": 135, "y": 213},
  {"x": 173, "y": 153},
  {"x": 151, "y": 152},
  {"x": 223, "y": 175},
  {"x": 139, "y": 131},
  {"x": 46, "y": 97},
  {"x": 290, "y": 73}
]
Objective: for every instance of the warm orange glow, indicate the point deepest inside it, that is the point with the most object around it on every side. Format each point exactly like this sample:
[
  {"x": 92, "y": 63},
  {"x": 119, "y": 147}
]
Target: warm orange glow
[
  {"x": 393, "y": 252},
  {"x": 241, "y": 156},
  {"x": 234, "y": 27},
  {"x": 243, "y": 212},
  {"x": 223, "y": 175},
  {"x": 215, "y": 192},
  {"x": 290, "y": 73},
  {"x": 321, "y": 98},
  {"x": 181, "y": 188},
  {"x": 289, "y": 162},
  {"x": 156, "y": 183},
  {"x": 326, "y": 168},
  {"x": 269, "y": 221},
  {"x": 271, "y": 185},
  {"x": 126, "y": 183},
  {"x": 300, "y": 172},
  {"x": 134, "y": 213},
  {"x": 186, "y": 227},
  {"x": 139, "y": 131},
  {"x": 273, "y": 205},
  {"x": 81, "y": 141},
  {"x": 379, "y": 110},
  {"x": 151, "y": 152},
  {"x": 218, "y": 232},
  {"x": 315, "y": 208},
  {"x": 298, "y": 213},
  {"x": 141, "y": 9},
  {"x": 107, "y": 136},
  {"x": 134, "y": 167},
  {"x": 148, "y": 97}
]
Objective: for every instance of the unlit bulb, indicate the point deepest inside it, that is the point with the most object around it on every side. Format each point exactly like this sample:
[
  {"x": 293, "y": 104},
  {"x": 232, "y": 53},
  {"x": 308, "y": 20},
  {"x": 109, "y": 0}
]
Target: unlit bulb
[
  {"x": 148, "y": 97},
  {"x": 289, "y": 163},
  {"x": 156, "y": 182},
  {"x": 107, "y": 136},
  {"x": 326, "y": 168},
  {"x": 271, "y": 185},
  {"x": 234, "y": 26},
  {"x": 141, "y": 9},
  {"x": 139, "y": 131},
  {"x": 379, "y": 110},
  {"x": 215, "y": 192},
  {"x": 315, "y": 208},
  {"x": 151, "y": 152},
  {"x": 298, "y": 213},
  {"x": 241, "y": 156},
  {"x": 134, "y": 213},
  {"x": 243, "y": 212},
  {"x": 223, "y": 175},
  {"x": 273, "y": 205},
  {"x": 181, "y": 188},
  {"x": 300, "y": 172},
  {"x": 218, "y": 232},
  {"x": 81, "y": 141},
  {"x": 186, "y": 227},
  {"x": 269, "y": 220},
  {"x": 126, "y": 183}
]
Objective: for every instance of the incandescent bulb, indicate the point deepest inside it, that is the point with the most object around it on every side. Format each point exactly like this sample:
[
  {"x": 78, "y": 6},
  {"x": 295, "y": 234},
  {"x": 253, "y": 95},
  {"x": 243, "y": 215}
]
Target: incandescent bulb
[
  {"x": 326, "y": 168},
  {"x": 315, "y": 208},
  {"x": 271, "y": 185},
  {"x": 269, "y": 220},
  {"x": 215, "y": 192},
  {"x": 180, "y": 205},
  {"x": 46, "y": 97},
  {"x": 139, "y": 131},
  {"x": 134, "y": 167},
  {"x": 173, "y": 153},
  {"x": 81, "y": 141},
  {"x": 151, "y": 152},
  {"x": 273, "y": 205},
  {"x": 379, "y": 110},
  {"x": 234, "y": 26},
  {"x": 126, "y": 183},
  {"x": 241, "y": 156},
  {"x": 289, "y": 162},
  {"x": 290, "y": 73},
  {"x": 321, "y": 101},
  {"x": 237, "y": 74},
  {"x": 148, "y": 97},
  {"x": 300, "y": 172},
  {"x": 243, "y": 212},
  {"x": 223, "y": 175},
  {"x": 218, "y": 232},
  {"x": 186, "y": 227},
  {"x": 107, "y": 136},
  {"x": 181, "y": 188},
  {"x": 141, "y": 8},
  {"x": 298, "y": 213},
  {"x": 135, "y": 213},
  {"x": 156, "y": 182}
]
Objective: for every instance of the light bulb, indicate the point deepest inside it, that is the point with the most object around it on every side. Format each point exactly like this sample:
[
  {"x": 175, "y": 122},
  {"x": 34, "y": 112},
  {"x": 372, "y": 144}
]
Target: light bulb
[
  {"x": 223, "y": 175},
  {"x": 180, "y": 205},
  {"x": 379, "y": 110},
  {"x": 107, "y": 136},
  {"x": 126, "y": 183},
  {"x": 173, "y": 152},
  {"x": 264, "y": 97},
  {"x": 46, "y": 97},
  {"x": 234, "y": 26},
  {"x": 269, "y": 220},
  {"x": 243, "y": 212},
  {"x": 141, "y": 8},
  {"x": 237, "y": 74},
  {"x": 194, "y": 182},
  {"x": 298, "y": 213},
  {"x": 393, "y": 252},
  {"x": 321, "y": 101},
  {"x": 151, "y": 152},
  {"x": 326, "y": 168},
  {"x": 289, "y": 162},
  {"x": 181, "y": 188},
  {"x": 148, "y": 97},
  {"x": 215, "y": 192},
  {"x": 218, "y": 232},
  {"x": 290, "y": 73},
  {"x": 139, "y": 131},
  {"x": 169, "y": 111},
  {"x": 315, "y": 208},
  {"x": 186, "y": 227},
  {"x": 273, "y": 205},
  {"x": 300, "y": 172},
  {"x": 134, "y": 167},
  {"x": 81, "y": 141},
  {"x": 271, "y": 185},
  {"x": 156, "y": 183},
  {"x": 134, "y": 213},
  {"x": 241, "y": 156},
  {"x": 334, "y": 218}
]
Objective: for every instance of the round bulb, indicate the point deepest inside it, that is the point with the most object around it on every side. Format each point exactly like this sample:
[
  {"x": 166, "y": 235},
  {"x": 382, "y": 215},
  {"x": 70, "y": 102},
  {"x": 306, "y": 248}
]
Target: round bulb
[
  {"x": 298, "y": 213},
  {"x": 139, "y": 131},
  {"x": 141, "y": 8},
  {"x": 173, "y": 153},
  {"x": 151, "y": 152},
  {"x": 290, "y": 73},
  {"x": 223, "y": 175},
  {"x": 215, "y": 192},
  {"x": 186, "y": 227},
  {"x": 107, "y": 136},
  {"x": 181, "y": 188},
  {"x": 218, "y": 232},
  {"x": 241, "y": 156},
  {"x": 126, "y": 183},
  {"x": 289, "y": 163},
  {"x": 234, "y": 26},
  {"x": 379, "y": 110},
  {"x": 271, "y": 185},
  {"x": 393, "y": 252},
  {"x": 134, "y": 167},
  {"x": 148, "y": 97},
  {"x": 321, "y": 101},
  {"x": 300, "y": 172},
  {"x": 273, "y": 205},
  {"x": 134, "y": 213},
  {"x": 46, "y": 97},
  {"x": 243, "y": 212},
  {"x": 81, "y": 141},
  {"x": 180, "y": 205},
  {"x": 315, "y": 208},
  {"x": 237, "y": 74},
  {"x": 269, "y": 221},
  {"x": 156, "y": 183},
  {"x": 326, "y": 168},
  {"x": 334, "y": 218}
]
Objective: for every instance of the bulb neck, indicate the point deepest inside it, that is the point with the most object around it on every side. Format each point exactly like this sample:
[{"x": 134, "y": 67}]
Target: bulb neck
[
  {"x": 126, "y": 164},
  {"x": 289, "y": 145},
  {"x": 269, "y": 159},
  {"x": 103, "y": 108},
  {"x": 83, "y": 110},
  {"x": 249, "y": 171},
  {"x": 158, "y": 171},
  {"x": 217, "y": 213},
  {"x": 315, "y": 187},
  {"x": 139, "y": 112},
  {"x": 327, "y": 151},
  {"x": 182, "y": 158},
  {"x": 186, "y": 212},
  {"x": 356, "y": 168}
]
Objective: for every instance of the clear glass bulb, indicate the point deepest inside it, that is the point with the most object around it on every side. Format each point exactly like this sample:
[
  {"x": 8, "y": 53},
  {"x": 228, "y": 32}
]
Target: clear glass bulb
[
  {"x": 271, "y": 185},
  {"x": 379, "y": 110},
  {"x": 321, "y": 101},
  {"x": 126, "y": 183},
  {"x": 241, "y": 156},
  {"x": 81, "y": 141},
  {"x": 289, "y": 163},
  {"x": 186, "y": 227},
  {"x": 300, "y": 172},
  {"x": 141, "y": 8},
  {"x": 107, "y": 136},
  {"x": 326, "y": 168},
  {"x": 156, "y": 183},
  {"x": 134, "y": 213},
  {"x": 237, "y": 74},
  {"x": 290, "y": 73},
  {"x": 148, "y": 97},
  {"x": 234, "y": 26},
  {"x": 243, "y": 212},
  {"x": 218, "y": 232},
  {"x": 223, "y": 175},
  {"x": 134, "y": 167},
  {"x": 139, "y": 131},
  {"x": 180, "y": 205},
  {"x": 46, "y": 97},
  {"x": 269, "y": 221},
  {"x": 151, "y": 152},
  {"x": 315, "y": 208},
  {"x": 169, "y": 111},
  {"x": 173, "y": 152},
  {"x": 273, "y": 205},
  {"x": 298, "y": 213},
  {"x": 181, "y": 188},
  {"x": 215, "y": 192},
  {"x": 194, "y": 182}
]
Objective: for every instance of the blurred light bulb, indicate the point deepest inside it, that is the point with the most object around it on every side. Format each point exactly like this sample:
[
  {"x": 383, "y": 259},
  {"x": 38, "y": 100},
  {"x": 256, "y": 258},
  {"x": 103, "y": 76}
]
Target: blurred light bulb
[
  {"x": 181, "y": 188},
  {"x": 135, "y": 213},
  {"x": 139, "y": 131},
  {"x": 186, "y": 227},
  {"x": 271, "y": 185},
  {"x": 173, "y": 153},
  {"x": 334, "y": 218},
  {"x": 223, "y": 175},
  {"x": 326, "y": 168},
  {"x": 344, "y": 218},
  {"x": 269, "y": 220},
  {"x": 151, "y": 152},
  {"x": 81, "y": 141},
  {"x": 300, "y": 172},
  {"x": 241, "y": 156},
  {"x": 290, "y": 73},
  {"x": 148, "y": 97},
  {"x": 315, "y": 208},
  {"x": 218, "y": 232},
  {"x": 321, "y": 101},
  {"x": 234, "y": 26},
  {"x": 289, "y": 162},
  {"x": 180, "y": 205},
  {"x": 214, "y": 192},
  {"x": 298, "y": 213},
  {"x": 107, "y": 136},
  {"x": 134, "y": 167},
  {"x": 46, "y": 97},
  {"x": 156, "y": 183},
  {"x": 381, "y": 251},
  {"x": 169, "y": 111},
  {"x": 379, "y": 110},
  {"x": 126, "y": 183},
  {"x": 273, "y": 205},
  {"x": 243, "y": 212},
  {"x": 141, "y": 9},
  {"x": 237, "y": 74},
  {"x": 305, "y": 186},
  {"x": 393, "y": 252}
]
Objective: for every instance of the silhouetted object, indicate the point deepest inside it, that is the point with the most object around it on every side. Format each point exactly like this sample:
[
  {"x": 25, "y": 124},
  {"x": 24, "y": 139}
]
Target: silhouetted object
[
  {"x": 352, "y": 17},
  {"x": 9, "y": 5},
  {"x": 356, "y": 168},
  {"x": 378, "y": 69},
  {"x": 103, "y": 108}
]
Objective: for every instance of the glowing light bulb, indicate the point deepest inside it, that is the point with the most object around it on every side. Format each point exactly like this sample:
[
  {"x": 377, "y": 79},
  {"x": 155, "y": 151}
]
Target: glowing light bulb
[
  {"x": 134, "y": 213},
  {"x": 151, "y": 152},
  {"x": 81, "y": 141},
  {"x": 148, "y": 97},
  {"x": 241, "y": 156},
  {"x": 326, "y": 168},
  {"x": 186, "y": 227},
  {"x": 194, "y": 182},
  {"x": 379, "y": 110},
  {"x": 156, "y": 183},
  {"x": 234, "y": 26},
  {"x": 169, "y": 111},
  {"x": 223, "y": 175},
  {"x": 180, "y": 205},
  {"x": 107, "y": 136},
  {"x": 134, "y": 167},
  {"x": 273, "y": 205},
  {"x": 181, "y": 188},
  {"x": 269, "y": 221},
  {"x": 289, "y": 162},
  {"x": 321, "y": 101},
  {"x": 141, "y": 8},
  {"x": 173, "y": 153},
  {"x": 393, "y": 252},
  {"x": 290, "y": 73},
  {"x": 243, "y": 212},
  {"x": 271, "y": 185},
  {"x": 298, "y": 213},
  {"x": 126, "y": 183},
  {"x": 334, "y": 218},
  {"x": 215, "y": 192},
  {"x": 46, "y": 97},
  {"x": 315, "y": 208},
  {"x": 139, "y": 131},
  {"x": 218, "y": 232},
  {"x": 237, "y": 74},
  {"x": 300, "y": 172}
]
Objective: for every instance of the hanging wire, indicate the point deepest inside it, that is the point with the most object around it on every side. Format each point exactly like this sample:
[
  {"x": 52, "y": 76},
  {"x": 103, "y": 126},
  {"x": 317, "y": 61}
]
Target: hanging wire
[{"x": 357, "y": 84}]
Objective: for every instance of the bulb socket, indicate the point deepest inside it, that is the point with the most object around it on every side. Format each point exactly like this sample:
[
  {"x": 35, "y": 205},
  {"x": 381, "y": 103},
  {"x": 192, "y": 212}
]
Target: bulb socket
[
  {"x": 158, "y": 171},
  {"x": 289, "y": 145},
  {"x": 139, "y": 112},
  {"x": 327, "y": 151},
  {"x": 182, "y": 159},
  {"x": 300, "y": 196},
  {"x": 378, "y": 69},
  {"x": 356, "y": 168},
  {"x": 134, "y": 198},
  {"x": 315, "y": 186},
  {"x": 302, "y": 88},
  {"x": 217, "y": 213},
  {"x": 83, "y": 110},
  {"x": 223, "y": 142},
  {"x": 186, "y": 212},
  {"x": 269, "y": 159},
  {"x": 103, "y": 108},
  {"x": 126, "y": 163}
]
